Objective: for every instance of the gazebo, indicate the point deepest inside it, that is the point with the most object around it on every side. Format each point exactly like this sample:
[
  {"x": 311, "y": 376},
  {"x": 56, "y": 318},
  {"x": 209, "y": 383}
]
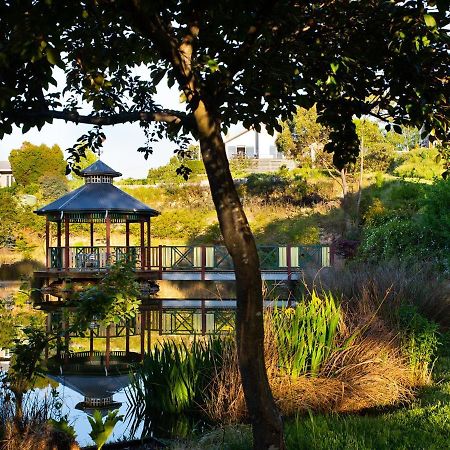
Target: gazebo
[{"x": 97, "y": 201}]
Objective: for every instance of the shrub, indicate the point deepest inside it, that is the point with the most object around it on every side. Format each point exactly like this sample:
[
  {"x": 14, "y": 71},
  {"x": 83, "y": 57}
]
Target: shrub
[
  {"x": 281, "y": 187},
  {"x": 418, "y": 163},
  {"x": 420, "y": 341}
]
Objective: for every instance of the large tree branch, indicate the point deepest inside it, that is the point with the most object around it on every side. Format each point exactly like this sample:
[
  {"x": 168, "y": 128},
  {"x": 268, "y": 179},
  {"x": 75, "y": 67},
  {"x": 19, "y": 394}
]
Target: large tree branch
[{"x": 106, "y": 119}]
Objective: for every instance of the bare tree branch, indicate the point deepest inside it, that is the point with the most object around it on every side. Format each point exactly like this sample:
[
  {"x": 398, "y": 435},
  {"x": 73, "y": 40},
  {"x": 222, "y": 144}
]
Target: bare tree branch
[{"x": 110, "y": 119}]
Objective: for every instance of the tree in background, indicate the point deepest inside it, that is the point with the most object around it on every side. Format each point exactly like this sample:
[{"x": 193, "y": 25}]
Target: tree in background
[
  {"x": 378, "y": 152},
  {"x": 31, "y": 163},
  {"x": 252, "y": 62},
  {"x": 302, "y": 137}
]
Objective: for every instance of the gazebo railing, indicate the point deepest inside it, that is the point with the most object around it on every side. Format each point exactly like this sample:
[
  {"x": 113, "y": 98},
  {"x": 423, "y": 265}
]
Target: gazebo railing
[{"x": 188, "y": 258}]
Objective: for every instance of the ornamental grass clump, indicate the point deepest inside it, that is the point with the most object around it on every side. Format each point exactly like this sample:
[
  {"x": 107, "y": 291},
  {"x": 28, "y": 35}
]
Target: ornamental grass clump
[
  {"x": 306, "y": 335},
  {"x": 320, "y": 356}
]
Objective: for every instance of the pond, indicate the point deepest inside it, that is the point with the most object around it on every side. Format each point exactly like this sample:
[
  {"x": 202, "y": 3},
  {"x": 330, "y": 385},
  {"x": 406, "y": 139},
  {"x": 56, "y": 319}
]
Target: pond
[
  {"x": 70, "y": 395},
  {"x": 72, "y": 391}
]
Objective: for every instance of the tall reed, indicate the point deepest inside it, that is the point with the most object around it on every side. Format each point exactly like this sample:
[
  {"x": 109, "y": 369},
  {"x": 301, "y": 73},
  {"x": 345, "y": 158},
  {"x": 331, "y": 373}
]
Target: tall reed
[{"x": 306, "y": 335}]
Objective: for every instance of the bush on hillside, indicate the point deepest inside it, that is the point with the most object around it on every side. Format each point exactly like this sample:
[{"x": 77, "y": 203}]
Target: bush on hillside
[
  {"x": 281, "y": 188},
  {"x": 411, "y": 224},
  {"x": 418, "y": 163}
]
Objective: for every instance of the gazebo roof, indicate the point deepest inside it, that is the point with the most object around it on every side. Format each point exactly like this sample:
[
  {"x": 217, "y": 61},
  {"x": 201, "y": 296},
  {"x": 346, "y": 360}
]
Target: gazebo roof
[
  {"x": 97, "y": 200},
  {"x": 100, "y": 168}
]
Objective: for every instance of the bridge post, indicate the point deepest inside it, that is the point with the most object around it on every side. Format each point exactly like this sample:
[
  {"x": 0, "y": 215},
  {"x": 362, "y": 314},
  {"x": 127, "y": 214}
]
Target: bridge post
[
  {"x": 289, "y": 261},
  {"x": 332, "y": 254},
  {"x": 203, "y": 259},
  {"x": 203, "y": 317},
  {"x": 160, "y": 268}
]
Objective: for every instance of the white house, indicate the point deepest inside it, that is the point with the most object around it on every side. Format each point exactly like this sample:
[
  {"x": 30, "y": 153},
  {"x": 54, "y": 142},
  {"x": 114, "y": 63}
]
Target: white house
[
  {"x": 252, "y": 145},
  {"x": 6, "y": 175}
]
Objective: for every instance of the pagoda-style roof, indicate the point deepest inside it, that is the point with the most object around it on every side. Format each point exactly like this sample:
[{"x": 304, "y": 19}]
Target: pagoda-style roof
[
  {"x": 97, "y": 199},
  {"x": 100, "y": 168}
]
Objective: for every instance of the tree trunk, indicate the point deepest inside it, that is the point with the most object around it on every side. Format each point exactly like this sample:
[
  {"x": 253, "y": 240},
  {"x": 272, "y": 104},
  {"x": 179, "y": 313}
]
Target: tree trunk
[
  {"x": 346, "y": 201},
  {"x": 361, "y": 173},
  {"x": 264, "y": 415}
]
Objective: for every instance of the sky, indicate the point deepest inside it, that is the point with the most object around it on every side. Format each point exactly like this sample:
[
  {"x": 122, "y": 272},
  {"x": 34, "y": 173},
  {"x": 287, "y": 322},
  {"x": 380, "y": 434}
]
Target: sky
[{"x": 120, "y": 147}]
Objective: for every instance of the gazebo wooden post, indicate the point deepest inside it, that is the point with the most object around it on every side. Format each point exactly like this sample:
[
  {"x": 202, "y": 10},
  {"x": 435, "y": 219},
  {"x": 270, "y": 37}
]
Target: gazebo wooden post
[
  {"x": 66, "y": 243},
  {"x": 142, "y": 246},
  {"x": 149, "y": 263},
  {"x": 108, "y": 346},
  {"x": 108, "y": 238},
  {"x": 142, "y": 333},
  {"x": 47, "y": 243},
  {"x": 127, "y": 337},
  {"x": 127, "y": 239},
  {"x": 92, "y": 235},
  {"x": 58, "y": 243}
]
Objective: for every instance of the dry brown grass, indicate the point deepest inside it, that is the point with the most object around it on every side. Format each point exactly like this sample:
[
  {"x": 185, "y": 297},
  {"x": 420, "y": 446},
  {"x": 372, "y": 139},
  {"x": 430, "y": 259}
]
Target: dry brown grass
[
  {"x": 371, "y": 372},
  {"x": 32, "y": 437},
  {"x": 366, "y": 288}
]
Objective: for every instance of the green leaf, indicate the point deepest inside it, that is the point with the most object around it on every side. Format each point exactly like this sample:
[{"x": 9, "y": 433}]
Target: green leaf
[
  {"x": 334, "y": 66},
  {"x": 52, "y": 57},
  {"x": 430, "y": 21}
]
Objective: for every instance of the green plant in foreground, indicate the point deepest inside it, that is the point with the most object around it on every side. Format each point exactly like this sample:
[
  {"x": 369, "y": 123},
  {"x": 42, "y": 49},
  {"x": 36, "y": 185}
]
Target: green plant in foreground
[
  {"x": 419, "y": 340},
  {"x": 173, "y": 378},
  {"x": 306, "y": 335},
  {"x": 102, "y": 430}
]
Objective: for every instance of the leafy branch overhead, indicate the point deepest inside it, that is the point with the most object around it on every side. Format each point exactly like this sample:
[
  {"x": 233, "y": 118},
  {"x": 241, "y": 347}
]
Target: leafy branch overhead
[{"x": 253, "y": 63}]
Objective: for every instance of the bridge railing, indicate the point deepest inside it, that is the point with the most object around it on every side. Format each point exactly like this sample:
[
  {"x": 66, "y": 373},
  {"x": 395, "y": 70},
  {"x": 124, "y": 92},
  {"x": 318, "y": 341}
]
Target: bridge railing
[{"x": 213, "y": 258}]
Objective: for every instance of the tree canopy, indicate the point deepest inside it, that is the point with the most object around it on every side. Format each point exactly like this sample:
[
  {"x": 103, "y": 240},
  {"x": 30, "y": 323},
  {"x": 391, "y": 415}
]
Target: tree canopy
[
  {"x": 252, "y": 62},
  {"x": 32, "y": 163}
]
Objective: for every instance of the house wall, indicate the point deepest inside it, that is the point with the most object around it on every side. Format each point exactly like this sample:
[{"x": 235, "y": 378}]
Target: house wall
[
  {"x": 6, "y": 179},
  {"x": 257, "y": 145}
]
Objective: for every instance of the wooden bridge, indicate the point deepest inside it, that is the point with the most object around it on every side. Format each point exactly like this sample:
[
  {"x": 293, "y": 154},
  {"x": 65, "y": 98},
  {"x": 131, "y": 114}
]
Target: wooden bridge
[{"x": 208, "y": 262}]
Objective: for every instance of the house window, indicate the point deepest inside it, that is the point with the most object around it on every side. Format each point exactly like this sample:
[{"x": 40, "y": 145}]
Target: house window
[{"x": 240, "y": 152}]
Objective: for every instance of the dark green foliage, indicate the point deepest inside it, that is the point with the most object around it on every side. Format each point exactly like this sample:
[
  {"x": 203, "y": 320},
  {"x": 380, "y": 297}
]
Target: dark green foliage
[
  {"x": 113, "y": 299},
  {"x": 30, "y": 163},
  {"x": 410, "y": 222},
  {"x": 281, "y": 187}
]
